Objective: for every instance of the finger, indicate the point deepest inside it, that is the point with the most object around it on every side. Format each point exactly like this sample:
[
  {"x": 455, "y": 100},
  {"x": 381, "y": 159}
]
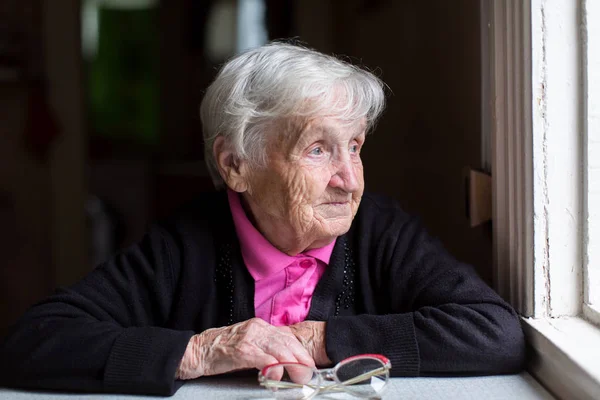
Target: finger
[
  {"x": 274, "y": 373},
  {"x": 297, "y": 372},
  {"x": 281, "y": 352},
  {"x": 300, "y": 373},
  {"x": 301, "y": 370},
  {"x": 261, "y": 361},
  {"x": 303, "y": 356},
  {"x": 300, "y": 350},
  {"x": 272, "y": 341}
]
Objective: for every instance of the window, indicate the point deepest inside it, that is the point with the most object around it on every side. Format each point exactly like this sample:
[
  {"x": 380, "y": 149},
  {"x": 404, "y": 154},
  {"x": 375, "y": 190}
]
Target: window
[
  {"x": 235, "y": 26},
  {"x": 545, "y": 101},
  {"x": 591, "y": 71},
  {"x": 251, "y": 29},
  {"x": 119, "y": 40}
]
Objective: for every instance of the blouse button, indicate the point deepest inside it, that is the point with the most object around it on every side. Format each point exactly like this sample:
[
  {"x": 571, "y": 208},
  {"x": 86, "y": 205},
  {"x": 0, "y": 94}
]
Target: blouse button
[{"x": 305, "y": 263}]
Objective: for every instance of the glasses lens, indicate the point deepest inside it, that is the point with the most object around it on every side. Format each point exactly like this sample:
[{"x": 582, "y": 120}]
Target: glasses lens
[
  {"x": 364, "y": 377},
  {"x": 291, "y": 381}
]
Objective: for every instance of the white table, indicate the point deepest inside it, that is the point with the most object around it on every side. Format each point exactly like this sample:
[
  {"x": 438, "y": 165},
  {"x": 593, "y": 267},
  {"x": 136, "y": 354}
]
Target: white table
[{"x": 521, "y": 386}]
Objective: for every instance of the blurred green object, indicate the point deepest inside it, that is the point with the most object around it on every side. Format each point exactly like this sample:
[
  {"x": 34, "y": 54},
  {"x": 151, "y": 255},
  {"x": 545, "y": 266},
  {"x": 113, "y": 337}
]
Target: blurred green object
[{"x": 124, "y": 76}]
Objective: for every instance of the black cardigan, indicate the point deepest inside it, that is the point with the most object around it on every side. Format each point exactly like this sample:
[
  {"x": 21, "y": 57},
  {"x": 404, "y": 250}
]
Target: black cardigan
[{"x": 390, "y": 289}]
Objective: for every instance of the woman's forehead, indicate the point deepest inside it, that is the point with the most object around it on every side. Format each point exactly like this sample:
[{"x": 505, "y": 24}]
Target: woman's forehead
[{"x": 332, "y": 127}]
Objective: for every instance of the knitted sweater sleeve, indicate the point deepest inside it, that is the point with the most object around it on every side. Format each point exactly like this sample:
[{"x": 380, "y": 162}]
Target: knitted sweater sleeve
[
  {"x": 104, "y": 333},
  {"x": 440, "y": 318}
]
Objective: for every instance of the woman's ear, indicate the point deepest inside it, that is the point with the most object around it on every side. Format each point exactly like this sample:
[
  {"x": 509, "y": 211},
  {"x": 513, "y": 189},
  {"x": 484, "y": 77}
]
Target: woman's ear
[{"x": 232, "y": 169}]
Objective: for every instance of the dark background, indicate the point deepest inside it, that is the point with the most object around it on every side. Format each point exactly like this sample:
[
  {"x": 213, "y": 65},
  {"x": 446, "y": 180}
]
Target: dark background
[{"x": 95, "y": 144}]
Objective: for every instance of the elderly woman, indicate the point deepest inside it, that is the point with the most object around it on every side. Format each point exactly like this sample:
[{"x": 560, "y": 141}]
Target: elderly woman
[{"x": 290, "y": 261}]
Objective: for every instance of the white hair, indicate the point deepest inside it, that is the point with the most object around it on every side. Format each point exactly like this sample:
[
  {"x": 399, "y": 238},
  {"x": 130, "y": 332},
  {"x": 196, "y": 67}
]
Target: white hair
[{"x": 275, "y": 83}]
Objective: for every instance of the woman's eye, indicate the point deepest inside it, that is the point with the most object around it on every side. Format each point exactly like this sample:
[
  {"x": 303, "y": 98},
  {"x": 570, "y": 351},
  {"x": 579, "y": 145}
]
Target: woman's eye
[
  {"x": 354, "y": 148},
  {"x": 317, "y": 151}
]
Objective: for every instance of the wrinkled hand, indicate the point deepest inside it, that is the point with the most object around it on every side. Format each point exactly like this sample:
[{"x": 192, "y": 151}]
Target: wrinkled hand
[
  {"x": 249, "y": 344},
  {"x": 312, "y": 336}
]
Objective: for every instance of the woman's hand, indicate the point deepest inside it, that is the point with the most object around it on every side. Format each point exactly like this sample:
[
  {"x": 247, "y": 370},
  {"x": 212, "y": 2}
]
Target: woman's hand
[
  {"x": 249, "y": 344},
  {"x": 312, "y": 336}
]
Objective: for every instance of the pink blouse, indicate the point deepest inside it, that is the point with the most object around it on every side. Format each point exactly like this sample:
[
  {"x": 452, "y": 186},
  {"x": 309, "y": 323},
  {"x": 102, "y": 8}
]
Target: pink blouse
[{"x": 283, "y": 285}]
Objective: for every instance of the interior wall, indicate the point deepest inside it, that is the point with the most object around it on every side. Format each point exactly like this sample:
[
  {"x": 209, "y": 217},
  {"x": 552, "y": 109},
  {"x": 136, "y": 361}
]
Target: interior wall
[
  {"x": 25, "y": 212},
  {"x": 67, "y": 158},
  {"x": 42, "y": 188},
  {"x": 26, "y": 273},
  {"x": 428, "y": 52}
]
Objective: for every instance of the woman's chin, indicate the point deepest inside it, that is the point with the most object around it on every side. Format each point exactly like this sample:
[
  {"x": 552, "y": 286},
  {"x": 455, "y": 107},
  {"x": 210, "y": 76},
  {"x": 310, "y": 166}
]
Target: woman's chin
[{"x": 335, "y": 227}]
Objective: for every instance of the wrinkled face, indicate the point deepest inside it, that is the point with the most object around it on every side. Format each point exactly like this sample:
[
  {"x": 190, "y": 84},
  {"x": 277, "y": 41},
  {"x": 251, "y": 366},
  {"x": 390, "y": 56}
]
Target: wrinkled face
[{"x": 310, "y": 189}]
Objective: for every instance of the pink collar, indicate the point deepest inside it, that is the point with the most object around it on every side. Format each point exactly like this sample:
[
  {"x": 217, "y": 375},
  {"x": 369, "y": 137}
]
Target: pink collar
[{"x": 261, "y": 257}]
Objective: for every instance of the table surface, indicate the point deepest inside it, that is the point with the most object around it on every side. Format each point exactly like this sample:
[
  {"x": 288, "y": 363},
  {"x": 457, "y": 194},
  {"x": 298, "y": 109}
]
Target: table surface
[{"x": 521, "y": 386}]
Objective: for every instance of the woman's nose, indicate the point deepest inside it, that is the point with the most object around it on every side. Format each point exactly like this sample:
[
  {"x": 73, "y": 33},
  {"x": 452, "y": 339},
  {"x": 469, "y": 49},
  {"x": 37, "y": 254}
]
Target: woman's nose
[{"x": 346, "y": 176}]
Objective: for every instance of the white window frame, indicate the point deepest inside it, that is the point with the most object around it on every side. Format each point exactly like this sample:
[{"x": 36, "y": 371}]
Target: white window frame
[
  {"x": 591, "y": 63},
  {"x": 545, "y": 116}
]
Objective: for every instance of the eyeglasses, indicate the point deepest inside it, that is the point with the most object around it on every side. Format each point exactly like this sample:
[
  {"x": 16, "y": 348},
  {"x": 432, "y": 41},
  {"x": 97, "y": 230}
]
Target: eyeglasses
[{"x": 363, "y": 376}]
